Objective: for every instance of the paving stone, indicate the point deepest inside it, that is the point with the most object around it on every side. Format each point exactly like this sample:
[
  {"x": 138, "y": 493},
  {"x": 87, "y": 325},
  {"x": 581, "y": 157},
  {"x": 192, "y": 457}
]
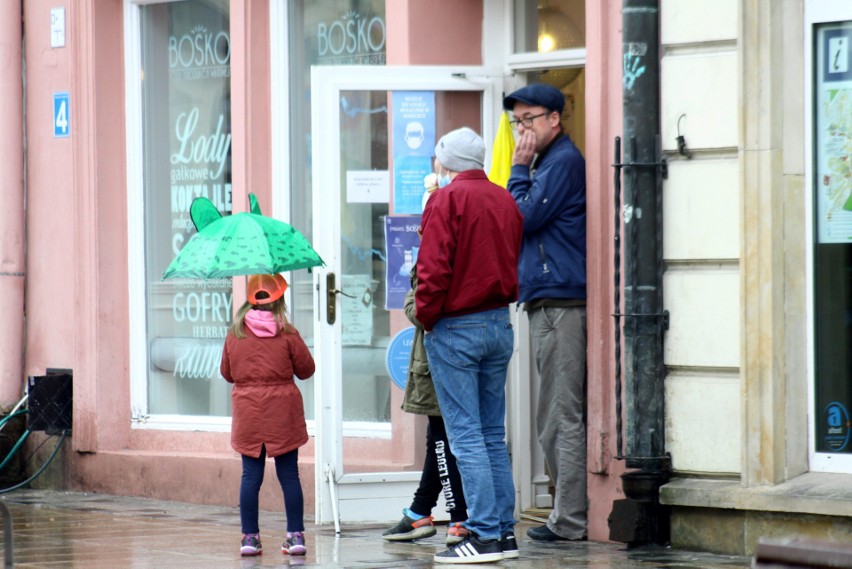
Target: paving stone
[{"x": 95, "y": 531}]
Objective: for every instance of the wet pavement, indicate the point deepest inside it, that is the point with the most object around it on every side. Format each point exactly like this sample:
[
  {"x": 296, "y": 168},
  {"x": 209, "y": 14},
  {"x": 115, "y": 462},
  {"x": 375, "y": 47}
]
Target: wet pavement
[{"x": 97, "y": 531}]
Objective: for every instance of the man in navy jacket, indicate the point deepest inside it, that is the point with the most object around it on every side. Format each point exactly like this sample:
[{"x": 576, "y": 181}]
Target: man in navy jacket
[{"x": 548, "y": 182}]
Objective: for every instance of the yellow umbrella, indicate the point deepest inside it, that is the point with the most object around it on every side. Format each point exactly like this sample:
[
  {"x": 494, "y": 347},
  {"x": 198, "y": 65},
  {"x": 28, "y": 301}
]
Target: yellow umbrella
[{"x": 501, "y": 155}]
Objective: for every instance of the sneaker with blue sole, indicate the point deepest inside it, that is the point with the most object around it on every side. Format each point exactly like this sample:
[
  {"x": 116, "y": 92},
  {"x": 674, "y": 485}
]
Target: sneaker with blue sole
[{"x": 409, "y": 529}]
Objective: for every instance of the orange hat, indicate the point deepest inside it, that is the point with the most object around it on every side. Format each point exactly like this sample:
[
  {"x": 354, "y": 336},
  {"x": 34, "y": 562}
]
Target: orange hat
[{"x": 272, "y": 285}]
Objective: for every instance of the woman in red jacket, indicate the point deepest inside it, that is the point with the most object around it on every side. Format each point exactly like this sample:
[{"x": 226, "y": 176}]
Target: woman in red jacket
[{"x": 262, "y": 353}]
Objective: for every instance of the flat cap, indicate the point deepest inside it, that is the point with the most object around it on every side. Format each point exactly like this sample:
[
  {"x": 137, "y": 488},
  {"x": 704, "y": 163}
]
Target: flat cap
[{"x": 539, "y": 94}]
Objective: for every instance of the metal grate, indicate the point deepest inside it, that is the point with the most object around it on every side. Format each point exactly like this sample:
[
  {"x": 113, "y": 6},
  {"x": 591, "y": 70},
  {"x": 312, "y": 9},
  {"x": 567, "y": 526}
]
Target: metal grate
[{"x": 50, "y": 398}]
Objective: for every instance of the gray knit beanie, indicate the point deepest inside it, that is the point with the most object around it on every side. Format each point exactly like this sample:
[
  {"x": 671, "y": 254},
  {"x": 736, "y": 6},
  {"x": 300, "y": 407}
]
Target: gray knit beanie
[{"x": 460, "y": 150}]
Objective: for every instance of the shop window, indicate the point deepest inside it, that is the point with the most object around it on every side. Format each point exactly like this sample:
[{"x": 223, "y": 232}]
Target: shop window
[
  {"x": 186, "y": 152},
  {"x": 832, "y": 289},
  {"x": 549, "y": 25},
  {"x": 322, "y": 32}
]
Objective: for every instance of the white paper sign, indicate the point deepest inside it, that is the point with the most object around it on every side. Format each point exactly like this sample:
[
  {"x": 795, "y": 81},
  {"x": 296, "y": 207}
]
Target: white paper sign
[
  {"x": 367, "y": 186},
  {"x": 357, "y": 310},
  {"x": 57, "y": 27}
]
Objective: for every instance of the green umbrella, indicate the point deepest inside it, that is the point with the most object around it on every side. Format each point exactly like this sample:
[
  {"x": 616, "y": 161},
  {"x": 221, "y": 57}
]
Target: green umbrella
[
  {"x": 203, "y": 212},
  {"x": 240, "y": 244}
]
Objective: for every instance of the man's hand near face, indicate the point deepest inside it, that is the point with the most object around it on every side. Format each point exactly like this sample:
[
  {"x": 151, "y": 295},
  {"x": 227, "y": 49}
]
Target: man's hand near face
[{"x": 524, "y": 148}]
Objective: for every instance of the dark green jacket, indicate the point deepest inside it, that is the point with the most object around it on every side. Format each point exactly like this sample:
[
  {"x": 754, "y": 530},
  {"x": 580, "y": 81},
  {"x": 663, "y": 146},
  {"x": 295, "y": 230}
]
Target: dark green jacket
[{"x": 420, "y": 396}]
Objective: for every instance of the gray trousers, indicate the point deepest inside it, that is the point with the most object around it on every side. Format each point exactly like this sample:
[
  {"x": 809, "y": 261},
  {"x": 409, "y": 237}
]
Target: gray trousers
[{"x": 559, "y": 345}]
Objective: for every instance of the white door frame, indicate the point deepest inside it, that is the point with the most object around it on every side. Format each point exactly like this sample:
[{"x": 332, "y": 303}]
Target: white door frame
[{"x": 341, "y": 495}]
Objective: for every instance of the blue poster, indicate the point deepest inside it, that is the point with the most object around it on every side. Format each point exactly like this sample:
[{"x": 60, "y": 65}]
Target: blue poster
[
  {"x": 413, "y": 147},
  {"x": 399, "y": 356},
  {"x": 401, "y": 245},
  {"x": 408, "y": 188}
]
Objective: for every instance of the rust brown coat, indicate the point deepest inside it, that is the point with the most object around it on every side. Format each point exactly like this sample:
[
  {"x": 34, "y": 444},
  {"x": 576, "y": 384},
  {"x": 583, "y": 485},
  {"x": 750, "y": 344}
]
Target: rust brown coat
[{"x": 267, "y": 405}]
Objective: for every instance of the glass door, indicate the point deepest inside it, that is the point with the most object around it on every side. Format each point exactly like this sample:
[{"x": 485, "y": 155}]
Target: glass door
[{"x": 374, "y": 133}]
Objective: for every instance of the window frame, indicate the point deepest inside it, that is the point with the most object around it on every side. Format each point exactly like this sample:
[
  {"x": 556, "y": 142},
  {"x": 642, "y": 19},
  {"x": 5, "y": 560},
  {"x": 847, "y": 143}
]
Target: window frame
[
  {"x": 138, "y": 352},
  {"x": 817, "y": 12}
]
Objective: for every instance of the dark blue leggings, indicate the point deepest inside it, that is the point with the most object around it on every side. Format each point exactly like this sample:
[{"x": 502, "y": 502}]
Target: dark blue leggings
[{"x": 287, "y": 469}]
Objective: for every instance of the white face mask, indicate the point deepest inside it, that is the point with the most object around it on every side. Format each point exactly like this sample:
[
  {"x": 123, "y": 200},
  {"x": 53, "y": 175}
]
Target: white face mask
[{"x": 444, "y": 179}]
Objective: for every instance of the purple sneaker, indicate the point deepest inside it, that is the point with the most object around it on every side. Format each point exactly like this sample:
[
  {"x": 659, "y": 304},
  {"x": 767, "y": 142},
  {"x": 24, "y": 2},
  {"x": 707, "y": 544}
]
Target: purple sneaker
[
  {"x": 294, "y": 544},
  {"x": 250, "y": 544}
]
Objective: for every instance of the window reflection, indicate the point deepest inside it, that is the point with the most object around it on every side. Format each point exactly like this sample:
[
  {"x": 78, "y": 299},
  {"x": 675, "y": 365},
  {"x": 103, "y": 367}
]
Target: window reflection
[
  {"x": 549, "y": 25},
  {"x": 186, "y": 114},
  {"x": 322, "y": 32}
]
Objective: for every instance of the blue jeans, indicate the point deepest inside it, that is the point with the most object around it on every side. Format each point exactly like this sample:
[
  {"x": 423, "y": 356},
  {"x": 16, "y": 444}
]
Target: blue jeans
[
  {"x": 287, "y": 470},
  {"x": 469, "y": 357}
]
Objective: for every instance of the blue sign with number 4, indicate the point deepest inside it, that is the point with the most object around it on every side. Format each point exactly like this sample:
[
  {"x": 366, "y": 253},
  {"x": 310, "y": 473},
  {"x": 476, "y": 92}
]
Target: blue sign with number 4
[{"x": 61, "y": 115}]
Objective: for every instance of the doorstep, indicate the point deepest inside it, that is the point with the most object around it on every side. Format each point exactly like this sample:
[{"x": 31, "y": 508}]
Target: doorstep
[{"x": 815, "y": 493}]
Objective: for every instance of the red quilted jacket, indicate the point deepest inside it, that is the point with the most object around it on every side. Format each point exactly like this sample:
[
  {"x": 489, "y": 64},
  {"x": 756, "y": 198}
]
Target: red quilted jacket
[
  {"x": 468, "y": 258},
  {"x": 267, "y": 405}
]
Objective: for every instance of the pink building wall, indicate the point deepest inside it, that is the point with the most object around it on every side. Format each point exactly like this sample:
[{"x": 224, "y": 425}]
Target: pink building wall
[
  {"x": 418, "y": 32},
  {"x": 77, "y": 270},
  {"x": 603, "y": 124},
  {"x": 12, "y": 221},
  {"x": 50, "y": 204}
]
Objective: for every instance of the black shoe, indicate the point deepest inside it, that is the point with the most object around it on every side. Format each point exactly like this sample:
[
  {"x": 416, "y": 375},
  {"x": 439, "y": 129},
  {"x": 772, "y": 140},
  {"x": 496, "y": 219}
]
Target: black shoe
[
  {"x": 509, "y": 545},
  {"x": 472, "y": 550},
  {"x": 543, "y": 533}
]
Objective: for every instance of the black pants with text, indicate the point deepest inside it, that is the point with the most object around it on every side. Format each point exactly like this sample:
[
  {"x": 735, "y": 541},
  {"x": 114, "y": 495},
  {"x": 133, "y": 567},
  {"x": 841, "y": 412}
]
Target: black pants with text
[{"x": 440, "y": 474}]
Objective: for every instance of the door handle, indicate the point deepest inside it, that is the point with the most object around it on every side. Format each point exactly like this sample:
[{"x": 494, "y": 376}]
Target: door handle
[{"x": 331, "y": 291}]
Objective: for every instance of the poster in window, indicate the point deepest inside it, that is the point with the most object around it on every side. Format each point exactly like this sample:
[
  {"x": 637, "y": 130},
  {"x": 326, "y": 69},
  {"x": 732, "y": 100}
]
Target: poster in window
[
  {"x": 402, "y": 242},
  {"x": 832, "y": 259},
  {"x": 357, "y": 308},
  {"x": 833, "y": 136},
  {"x": 413, "y": 147}
]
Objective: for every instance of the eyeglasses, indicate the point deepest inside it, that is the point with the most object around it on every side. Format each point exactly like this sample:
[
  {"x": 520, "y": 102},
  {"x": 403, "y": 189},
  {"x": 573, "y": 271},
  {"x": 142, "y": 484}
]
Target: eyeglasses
[{"x": 527, "y": 121}]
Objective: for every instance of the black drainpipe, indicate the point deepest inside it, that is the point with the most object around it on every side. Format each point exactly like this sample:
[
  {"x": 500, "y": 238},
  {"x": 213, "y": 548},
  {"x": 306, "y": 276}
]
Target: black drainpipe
[{"x": 640, "y": 518}]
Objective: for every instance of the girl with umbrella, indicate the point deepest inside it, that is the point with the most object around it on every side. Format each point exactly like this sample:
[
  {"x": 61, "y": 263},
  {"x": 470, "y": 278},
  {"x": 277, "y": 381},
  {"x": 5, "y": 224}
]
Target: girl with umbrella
[{"x": 262, "y": 354}]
